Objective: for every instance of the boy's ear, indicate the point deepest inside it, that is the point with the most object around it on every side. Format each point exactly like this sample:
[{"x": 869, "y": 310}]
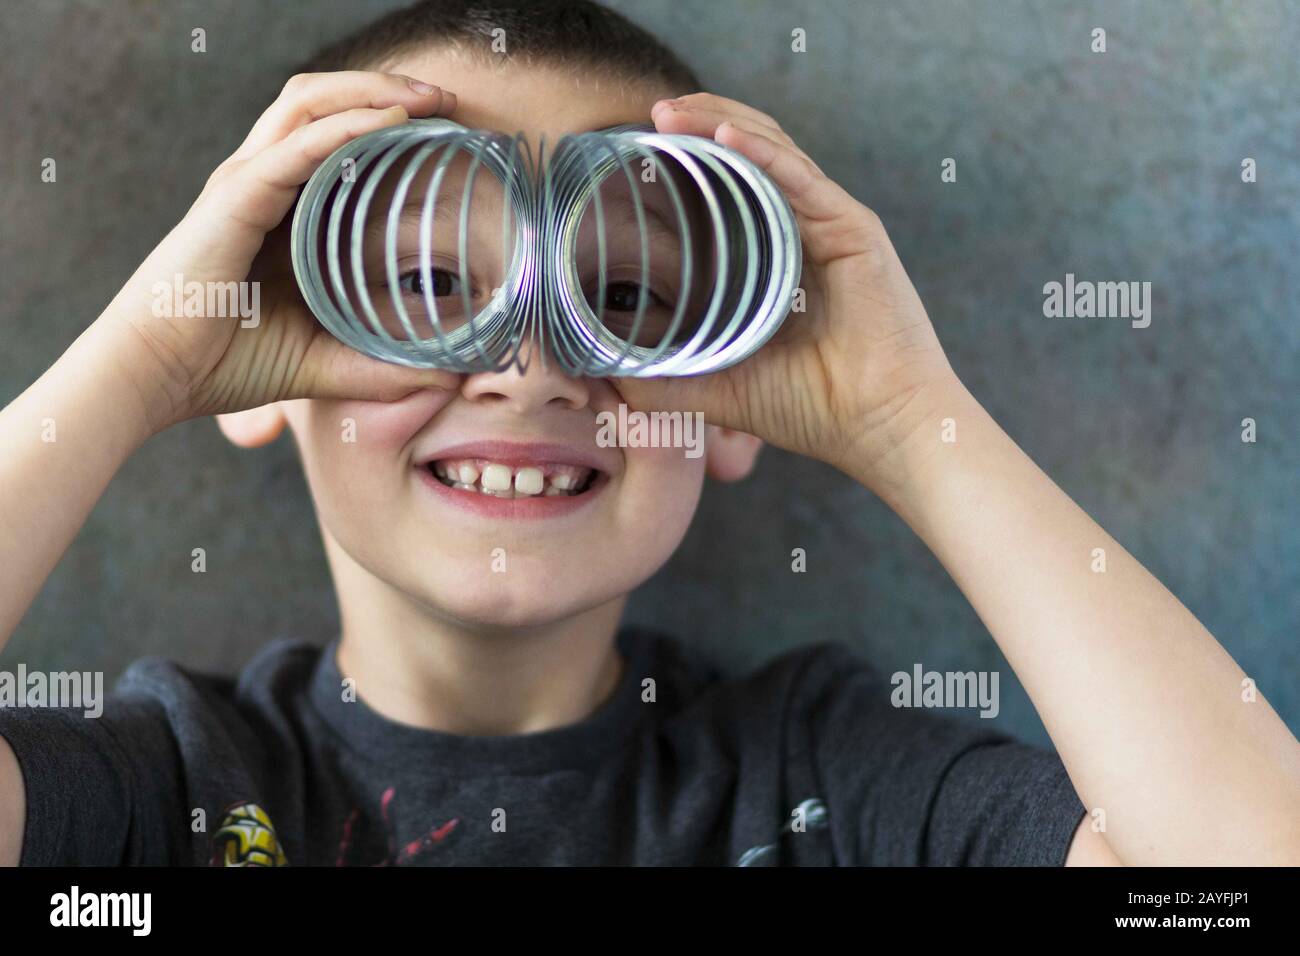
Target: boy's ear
[
  {"x": 253, "y": 427},
  {"x": 729, "y": 455}
]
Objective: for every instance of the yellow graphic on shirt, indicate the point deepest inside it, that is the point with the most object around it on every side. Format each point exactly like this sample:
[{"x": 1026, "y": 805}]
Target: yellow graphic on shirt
[{"x": 246, "y": 838}]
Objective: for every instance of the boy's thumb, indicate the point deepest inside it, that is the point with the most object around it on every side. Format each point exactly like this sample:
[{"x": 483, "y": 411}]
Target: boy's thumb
[
  {"x": 342, "y": 372},
  {"x": 680, "y": 393}
]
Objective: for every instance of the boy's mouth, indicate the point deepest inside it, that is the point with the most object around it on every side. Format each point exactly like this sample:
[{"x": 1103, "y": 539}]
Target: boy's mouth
[{"x": 503, "y": 480}]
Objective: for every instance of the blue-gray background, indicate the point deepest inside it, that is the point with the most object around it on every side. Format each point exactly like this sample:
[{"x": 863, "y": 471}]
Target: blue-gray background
[{"x": 1115, "y": 166}]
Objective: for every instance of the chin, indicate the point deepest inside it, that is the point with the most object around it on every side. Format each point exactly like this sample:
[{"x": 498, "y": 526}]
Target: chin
[{"x": 515, "y": 599}]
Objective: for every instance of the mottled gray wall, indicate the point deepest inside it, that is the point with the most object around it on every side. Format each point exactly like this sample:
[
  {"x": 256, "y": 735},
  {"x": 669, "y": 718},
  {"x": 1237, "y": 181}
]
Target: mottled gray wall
[{"x": 1117, "y": 166}]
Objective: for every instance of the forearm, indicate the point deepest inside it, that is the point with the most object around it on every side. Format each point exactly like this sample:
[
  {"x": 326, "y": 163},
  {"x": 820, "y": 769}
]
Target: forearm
[
  {"x": 1145, "y": 708},
  {"x": 63, "y": 439}
]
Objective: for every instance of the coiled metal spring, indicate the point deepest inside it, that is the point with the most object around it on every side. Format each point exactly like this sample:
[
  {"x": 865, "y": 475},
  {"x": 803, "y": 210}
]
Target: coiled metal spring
[{"x": 696, "y": 234}]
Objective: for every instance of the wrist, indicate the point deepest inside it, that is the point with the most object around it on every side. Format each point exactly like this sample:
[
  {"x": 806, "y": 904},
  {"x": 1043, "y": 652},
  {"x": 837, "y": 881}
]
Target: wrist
[
  {"x": 895, "y": 456},
  {"x": 125, "y": 369}
]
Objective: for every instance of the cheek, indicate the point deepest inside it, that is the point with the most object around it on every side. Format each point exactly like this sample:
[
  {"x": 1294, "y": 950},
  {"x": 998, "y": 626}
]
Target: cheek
[
  {"x": 660, "y": 494},
  {"x": 383, "y": 426},
  {"x": 353, "y": 451},
  {"x": 349, "y": 435}
]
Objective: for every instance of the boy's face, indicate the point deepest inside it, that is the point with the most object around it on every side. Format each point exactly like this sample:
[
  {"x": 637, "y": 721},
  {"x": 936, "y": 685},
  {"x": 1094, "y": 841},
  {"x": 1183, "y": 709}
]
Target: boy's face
[{"x": 381, "y": 473}]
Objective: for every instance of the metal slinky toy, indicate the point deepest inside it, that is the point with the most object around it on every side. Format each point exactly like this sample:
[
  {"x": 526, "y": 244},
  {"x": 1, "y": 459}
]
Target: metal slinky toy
[{"x": 629, "y": 253}]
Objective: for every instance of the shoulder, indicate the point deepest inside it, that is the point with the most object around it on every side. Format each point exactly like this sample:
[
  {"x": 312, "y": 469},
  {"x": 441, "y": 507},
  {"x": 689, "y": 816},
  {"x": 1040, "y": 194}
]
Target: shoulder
[
  {"x": 798, "y": 677},
  {"x": 168, "y": 739},
  {"x": 195, "y": 703},
  {"x": 281, "y": 664},
  {"x": 826, "y": 702},
  {"x": 787, "y": 686}
]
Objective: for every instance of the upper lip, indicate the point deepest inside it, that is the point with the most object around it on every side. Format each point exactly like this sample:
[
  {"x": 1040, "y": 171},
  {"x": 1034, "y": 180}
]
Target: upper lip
[{"x": 520, "y": 454}]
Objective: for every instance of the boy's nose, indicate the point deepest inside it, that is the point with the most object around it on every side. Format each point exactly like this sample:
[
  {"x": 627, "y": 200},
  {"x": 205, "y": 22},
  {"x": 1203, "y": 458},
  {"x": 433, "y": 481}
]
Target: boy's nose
[{"x": 542, "y": 384}]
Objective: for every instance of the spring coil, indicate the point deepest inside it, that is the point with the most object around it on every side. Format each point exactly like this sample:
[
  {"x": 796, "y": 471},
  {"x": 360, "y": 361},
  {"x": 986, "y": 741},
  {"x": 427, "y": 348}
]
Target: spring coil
[{"x": 752, "y": 246}]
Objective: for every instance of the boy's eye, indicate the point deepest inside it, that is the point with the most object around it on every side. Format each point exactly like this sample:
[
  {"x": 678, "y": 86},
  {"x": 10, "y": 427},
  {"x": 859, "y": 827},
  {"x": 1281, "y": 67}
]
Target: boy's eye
[
  {"x": 445, "y": 283},
  {"x": 623, "y": 297}
]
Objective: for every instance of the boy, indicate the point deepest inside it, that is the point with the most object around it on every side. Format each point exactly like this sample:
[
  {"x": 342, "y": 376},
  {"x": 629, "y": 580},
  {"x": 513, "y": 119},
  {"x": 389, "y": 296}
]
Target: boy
[{"x": 464, "y": 716}]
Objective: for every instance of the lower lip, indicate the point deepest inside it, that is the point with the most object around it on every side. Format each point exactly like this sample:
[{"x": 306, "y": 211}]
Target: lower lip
[{"x": 490, "y": 506}]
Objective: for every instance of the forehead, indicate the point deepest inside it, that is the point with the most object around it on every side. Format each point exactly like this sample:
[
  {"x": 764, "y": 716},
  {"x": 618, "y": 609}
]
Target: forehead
[{"x": 538, "y": 100}]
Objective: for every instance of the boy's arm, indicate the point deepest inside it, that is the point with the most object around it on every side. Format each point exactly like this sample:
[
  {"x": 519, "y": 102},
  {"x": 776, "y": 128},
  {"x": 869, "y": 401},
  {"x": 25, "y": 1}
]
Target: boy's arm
[
  {"x": 64, "y": 439},
  {"x": 13, "y": 807},
  {"x": 1144, "y": 706},
  {"x": 1089, "y": 847},
  {"x": 133, "y": 373}
]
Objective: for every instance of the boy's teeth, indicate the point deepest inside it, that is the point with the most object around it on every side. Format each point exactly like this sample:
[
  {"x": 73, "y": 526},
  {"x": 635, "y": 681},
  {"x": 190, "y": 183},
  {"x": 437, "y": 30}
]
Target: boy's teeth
[
  {"x": 529, "y": 481},
  {"x": 496, "y": 478},
  {"x": 502, "y": 481}
]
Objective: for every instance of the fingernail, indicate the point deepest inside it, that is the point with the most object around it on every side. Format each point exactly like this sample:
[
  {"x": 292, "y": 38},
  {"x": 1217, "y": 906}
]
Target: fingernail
[
  {"x": 664, "y": 103},
  {"x": 424, "y": 89}
]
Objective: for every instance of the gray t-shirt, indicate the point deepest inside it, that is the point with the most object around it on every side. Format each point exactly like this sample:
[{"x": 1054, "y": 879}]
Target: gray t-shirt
[{"x": 804, "y": 762}]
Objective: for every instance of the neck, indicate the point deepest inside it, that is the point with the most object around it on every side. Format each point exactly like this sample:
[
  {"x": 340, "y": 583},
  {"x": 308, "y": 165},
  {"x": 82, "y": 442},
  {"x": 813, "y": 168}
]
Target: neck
[{"x": 416, "y": 666}]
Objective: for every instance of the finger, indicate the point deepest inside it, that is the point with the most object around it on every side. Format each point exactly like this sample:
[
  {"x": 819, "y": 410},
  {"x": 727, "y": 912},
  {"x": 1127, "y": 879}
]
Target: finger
[
  {"x": 671, "y": 394},
  {"x": 260, "y": 191},
  {"x": 721, "y": 104},
  {"x": 679, "y": 113},
  {"x": 311, "y": 96},
  {"x": 811, "y": 194},
  {"x": 705, "y": 122},
  {"x": 718, "y": 396},
  {"x": 331, "y": 369}
]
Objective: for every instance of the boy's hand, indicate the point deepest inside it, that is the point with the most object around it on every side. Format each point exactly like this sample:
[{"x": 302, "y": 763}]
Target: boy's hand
[
  {"x": 191, "y": 366},
  {"x": 842, "y": 381}
]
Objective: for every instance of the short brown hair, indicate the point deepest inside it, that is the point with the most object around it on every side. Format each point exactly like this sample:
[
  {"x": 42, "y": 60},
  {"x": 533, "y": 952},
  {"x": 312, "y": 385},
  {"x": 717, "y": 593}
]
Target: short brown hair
[{"x": 572, "y": 33}]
